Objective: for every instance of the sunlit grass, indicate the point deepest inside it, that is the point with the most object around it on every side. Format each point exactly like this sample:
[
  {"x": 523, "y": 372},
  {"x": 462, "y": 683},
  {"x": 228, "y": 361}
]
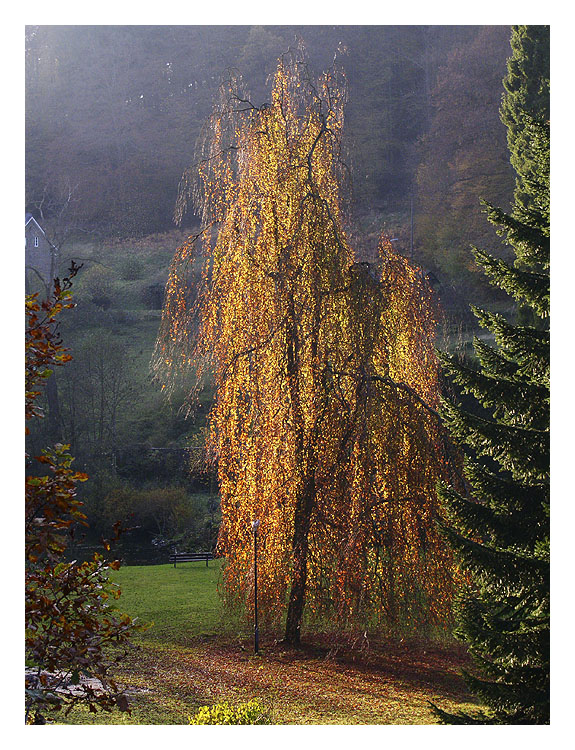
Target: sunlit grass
[{"x": 179, "y": 603}]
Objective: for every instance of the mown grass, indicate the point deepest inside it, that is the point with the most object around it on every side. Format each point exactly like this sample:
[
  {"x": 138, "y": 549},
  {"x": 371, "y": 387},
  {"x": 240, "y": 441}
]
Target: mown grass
[
  {"x": 195, "y": 652},
  {"x": 180, "y": 604}
]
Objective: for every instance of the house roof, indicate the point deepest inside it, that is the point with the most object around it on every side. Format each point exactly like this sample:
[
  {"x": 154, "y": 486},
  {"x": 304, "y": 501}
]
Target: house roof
[{"x": 29, "y": 219}]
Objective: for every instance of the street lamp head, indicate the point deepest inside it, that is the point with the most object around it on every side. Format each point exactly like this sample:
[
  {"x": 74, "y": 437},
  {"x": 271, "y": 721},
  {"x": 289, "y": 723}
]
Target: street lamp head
[{"x": 255, "y": 524}]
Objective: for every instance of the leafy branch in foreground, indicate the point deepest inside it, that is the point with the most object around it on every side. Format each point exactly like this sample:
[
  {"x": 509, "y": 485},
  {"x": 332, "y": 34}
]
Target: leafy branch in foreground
[{"x": 74, "y": 634}]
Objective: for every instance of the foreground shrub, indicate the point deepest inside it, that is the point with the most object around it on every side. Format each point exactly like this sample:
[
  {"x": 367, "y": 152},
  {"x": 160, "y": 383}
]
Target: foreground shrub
[
  {"x": 251, "y": 712},
  {"x": 71, "y": 621}
]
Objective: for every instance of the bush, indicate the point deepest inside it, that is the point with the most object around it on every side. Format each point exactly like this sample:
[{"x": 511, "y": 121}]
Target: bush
[
  {"x": 152, "y": 296},
  {"x": 97, "y": 284},
  {"x": 132, "y": 269},
  {"x": 252, "y": 712}
]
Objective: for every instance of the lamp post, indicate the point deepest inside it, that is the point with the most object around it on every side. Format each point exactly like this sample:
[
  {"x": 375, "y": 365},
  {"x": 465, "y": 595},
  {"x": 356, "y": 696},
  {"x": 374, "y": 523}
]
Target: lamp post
[
  {"x": 255, "y": 525},
  {"x": 411, "y": 227}
]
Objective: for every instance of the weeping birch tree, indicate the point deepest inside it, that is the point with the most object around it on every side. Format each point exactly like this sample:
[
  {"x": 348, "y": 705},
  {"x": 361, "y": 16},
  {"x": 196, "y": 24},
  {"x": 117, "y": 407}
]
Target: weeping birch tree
[{"x": 323, "y": 425}]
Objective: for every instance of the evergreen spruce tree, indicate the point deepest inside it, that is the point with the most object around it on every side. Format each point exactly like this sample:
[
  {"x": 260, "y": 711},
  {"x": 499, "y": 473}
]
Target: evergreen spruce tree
[
  {"x": 499, "y": 527},
  {"x": 526, "y": 100}
]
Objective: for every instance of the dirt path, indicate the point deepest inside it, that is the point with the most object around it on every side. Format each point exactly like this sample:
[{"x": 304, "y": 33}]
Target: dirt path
[{"x": 387, "y": 684}]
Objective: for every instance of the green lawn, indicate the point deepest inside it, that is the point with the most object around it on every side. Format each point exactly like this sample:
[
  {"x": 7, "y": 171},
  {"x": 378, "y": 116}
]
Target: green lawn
[
  {"x": 180, "y": 603},
  {"x": 196, "y": 653}
]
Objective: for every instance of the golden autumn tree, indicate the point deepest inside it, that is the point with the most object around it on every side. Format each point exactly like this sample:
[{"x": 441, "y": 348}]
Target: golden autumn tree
[{"x": 323, "y": 425}]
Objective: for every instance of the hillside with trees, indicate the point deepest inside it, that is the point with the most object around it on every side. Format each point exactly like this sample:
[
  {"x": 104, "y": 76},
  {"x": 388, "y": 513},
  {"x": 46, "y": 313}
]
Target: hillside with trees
[
  {"x": 113, "y": 112},
  {"x": 114, "y": 115}
]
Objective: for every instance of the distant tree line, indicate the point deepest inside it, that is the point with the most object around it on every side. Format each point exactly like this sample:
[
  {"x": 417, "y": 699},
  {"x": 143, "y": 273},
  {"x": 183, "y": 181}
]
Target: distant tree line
[{"x": 113, "y": 113}]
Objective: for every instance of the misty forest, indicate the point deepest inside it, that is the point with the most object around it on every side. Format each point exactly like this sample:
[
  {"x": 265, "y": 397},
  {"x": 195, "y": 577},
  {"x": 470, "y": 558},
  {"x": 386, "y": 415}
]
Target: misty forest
[{"x": 287, "y": 375}]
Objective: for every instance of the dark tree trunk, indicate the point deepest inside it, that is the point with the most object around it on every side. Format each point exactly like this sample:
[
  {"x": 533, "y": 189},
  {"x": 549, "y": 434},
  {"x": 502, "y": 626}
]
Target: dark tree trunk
[
  {"x": 305, "y": 445},
  {"x": 296, "y": 604},
  {"x": 54, "y": 418}
]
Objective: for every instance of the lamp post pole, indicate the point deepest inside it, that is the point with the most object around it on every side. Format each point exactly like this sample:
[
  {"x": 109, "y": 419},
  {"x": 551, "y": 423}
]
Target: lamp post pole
[
  {"x": 411, "y": 228},
  {"x": 255, "y": 525}
]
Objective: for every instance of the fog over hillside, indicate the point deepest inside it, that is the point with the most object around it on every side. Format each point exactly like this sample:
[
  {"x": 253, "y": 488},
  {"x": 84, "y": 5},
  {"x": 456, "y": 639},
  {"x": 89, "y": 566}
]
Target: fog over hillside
[{"x": 113, "y": 113}]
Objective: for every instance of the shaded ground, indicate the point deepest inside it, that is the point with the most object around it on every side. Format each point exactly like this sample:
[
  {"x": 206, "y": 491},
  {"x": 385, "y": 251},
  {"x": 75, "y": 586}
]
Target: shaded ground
[{"x": 386, "y": 684}]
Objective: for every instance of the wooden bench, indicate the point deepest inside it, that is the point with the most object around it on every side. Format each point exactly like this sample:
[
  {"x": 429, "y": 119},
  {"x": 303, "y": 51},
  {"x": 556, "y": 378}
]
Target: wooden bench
[{"x": 177, "y": 557}]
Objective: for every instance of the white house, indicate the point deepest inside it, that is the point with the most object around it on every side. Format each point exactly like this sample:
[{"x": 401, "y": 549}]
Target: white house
[{"x": 41, "y": 256}]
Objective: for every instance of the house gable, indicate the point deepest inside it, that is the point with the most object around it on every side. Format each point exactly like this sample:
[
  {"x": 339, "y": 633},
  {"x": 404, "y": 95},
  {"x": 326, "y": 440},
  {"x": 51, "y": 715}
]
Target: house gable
[{"x": 40, "y": 255}]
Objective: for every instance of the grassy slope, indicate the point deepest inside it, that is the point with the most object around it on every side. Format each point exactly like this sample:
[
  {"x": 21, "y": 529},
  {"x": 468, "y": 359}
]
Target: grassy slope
[{"x": 195, "y": 653}]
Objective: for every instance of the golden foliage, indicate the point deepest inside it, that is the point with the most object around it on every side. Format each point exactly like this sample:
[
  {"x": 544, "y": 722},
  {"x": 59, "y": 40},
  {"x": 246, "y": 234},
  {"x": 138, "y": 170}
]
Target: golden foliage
[{"x": 323, "y": 423}]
